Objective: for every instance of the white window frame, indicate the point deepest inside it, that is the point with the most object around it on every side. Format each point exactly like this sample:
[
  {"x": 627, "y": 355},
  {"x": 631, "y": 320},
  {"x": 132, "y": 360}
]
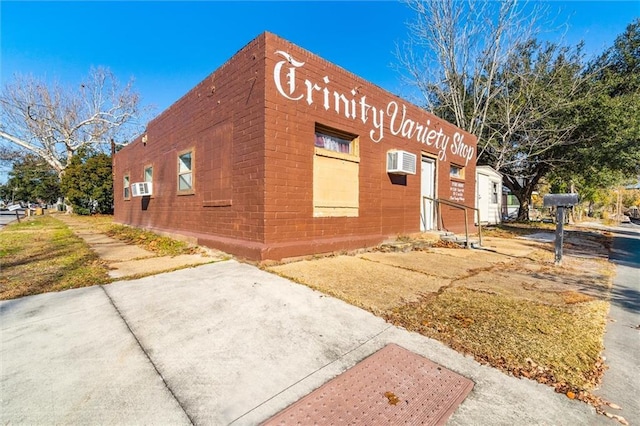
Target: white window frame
[
  {"x": 126, "y": 187},
  {"x": 190, "y": 171},
  {"x": 144, "y": 173}
]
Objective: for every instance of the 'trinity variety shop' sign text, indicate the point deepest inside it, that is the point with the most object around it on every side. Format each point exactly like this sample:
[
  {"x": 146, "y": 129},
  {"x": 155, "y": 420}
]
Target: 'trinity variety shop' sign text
[{"x": 393, "y": 117}]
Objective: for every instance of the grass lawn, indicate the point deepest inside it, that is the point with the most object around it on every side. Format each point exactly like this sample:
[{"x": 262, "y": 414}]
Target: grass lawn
[
  {"x": 162, "y": 246},
  {"x": 556, "y": 344},
  {"x": 41, "y": 255}
]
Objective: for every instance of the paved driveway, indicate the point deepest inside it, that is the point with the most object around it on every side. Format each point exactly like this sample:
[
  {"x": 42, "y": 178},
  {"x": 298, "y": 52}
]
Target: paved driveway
[{"x": 218, "y": 344}]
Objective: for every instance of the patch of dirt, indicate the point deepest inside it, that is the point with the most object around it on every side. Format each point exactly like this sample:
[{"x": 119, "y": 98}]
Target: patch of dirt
[
  {"x": 438, "y": 264},
  {"x": 512, "y": 247},
  {"x": 576, "y": 279}
]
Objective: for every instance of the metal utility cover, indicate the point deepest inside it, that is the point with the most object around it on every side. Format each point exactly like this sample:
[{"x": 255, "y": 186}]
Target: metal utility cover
[{"x": 392, "y": 386}]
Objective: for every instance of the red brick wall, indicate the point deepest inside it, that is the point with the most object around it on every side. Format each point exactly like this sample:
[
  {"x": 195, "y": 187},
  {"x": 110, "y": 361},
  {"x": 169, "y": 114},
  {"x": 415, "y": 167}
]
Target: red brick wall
[
  {"x": 385, "y": 209},
  {"x": 222, "y": 119},
  {"x": 254, "y": 152}
]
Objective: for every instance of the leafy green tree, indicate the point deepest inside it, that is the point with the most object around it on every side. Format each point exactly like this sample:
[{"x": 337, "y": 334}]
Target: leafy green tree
[
  {"x": 609, "y": 154},
  {"x": 479, "y": 65},
  {"x": 537, "y": 109},
  {"x": 88, "y": 184},
  {"x": 532, "y": 122},
  {"x": 32, "y": 180}
]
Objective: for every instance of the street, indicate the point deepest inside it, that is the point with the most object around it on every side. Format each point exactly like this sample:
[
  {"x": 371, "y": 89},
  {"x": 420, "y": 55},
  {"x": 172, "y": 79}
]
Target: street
[
  {"x": 7, "y": 217},
  {"x": 621, "y": 382}
]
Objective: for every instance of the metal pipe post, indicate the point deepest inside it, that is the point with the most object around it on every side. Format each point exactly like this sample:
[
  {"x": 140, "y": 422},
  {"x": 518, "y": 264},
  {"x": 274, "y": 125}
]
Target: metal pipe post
[{"x": 559, "y": 234}]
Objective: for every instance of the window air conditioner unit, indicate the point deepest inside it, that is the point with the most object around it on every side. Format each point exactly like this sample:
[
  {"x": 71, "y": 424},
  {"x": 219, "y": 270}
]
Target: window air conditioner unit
[
  {"x": 401, "y": 162},
  {"x": 140, "y": 189}
]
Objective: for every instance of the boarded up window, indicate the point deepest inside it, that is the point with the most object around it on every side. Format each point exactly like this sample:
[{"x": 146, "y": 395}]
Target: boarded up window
[
  {"x": 218, "y": 151},
  {"x": 335, "y": 174}
]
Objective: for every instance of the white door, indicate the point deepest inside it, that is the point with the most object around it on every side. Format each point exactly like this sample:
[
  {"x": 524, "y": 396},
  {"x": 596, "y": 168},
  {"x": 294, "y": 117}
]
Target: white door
[
  {"x": 483, "y": 192},
  {"x": 427, "y": 189}
]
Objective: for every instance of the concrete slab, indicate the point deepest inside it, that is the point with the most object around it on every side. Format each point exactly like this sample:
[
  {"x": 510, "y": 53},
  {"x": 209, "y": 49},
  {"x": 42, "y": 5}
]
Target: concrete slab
[
  {"x": 443, "y": 265},
  {"x": 128, "y": 260},
  {"x": 243, "y": 337},
  {"x": 237, "y": 345},
  {"x": 153, "y": 265},
  {"x": 91, "y": 237},
  {"x": 68, "y": 358},
  {"x": 117, "y": 251},
  {"x": 110, "y": 249},
  {"x": 543, "y": 237},
  {"x": 233, "y": 344}
]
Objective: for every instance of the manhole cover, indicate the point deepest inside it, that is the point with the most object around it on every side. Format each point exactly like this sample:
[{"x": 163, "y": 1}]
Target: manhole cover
[{"x": 392, "y": 386}]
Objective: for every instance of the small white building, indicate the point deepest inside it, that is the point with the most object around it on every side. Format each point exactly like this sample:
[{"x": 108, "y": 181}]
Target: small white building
[{"x": 489, "y": 195}]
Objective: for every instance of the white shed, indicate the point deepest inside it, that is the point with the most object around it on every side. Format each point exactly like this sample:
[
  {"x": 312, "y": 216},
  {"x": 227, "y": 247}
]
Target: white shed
[{"x": 488, "y": 194}]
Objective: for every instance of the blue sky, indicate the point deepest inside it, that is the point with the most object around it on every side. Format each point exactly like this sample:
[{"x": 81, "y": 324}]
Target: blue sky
[{"x": 168, "y": 47}]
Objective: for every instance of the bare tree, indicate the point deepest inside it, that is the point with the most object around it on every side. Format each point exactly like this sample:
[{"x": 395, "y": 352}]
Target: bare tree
[
  {"x": 465, "y": 59},
  {"x": 54, "y": 123},
  {"x": 8, "y": 154},
  {"x": 456, "y": 48},
  {"x": 532, "y": 125}
]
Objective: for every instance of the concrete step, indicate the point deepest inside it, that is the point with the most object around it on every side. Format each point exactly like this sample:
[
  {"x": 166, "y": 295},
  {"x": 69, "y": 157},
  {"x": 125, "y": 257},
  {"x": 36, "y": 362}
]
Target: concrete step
[
  {"x": 461, "y": 240},
  {"x": 424, "y": 240}
]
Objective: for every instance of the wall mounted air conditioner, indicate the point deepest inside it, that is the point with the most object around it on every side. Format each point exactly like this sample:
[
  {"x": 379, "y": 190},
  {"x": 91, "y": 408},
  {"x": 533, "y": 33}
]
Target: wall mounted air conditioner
[
  {"x": 140, "y": 189},
  {"x": 401, "y": 162}
]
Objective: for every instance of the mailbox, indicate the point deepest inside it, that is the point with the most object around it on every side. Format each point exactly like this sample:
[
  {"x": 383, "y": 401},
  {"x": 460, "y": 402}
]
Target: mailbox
[{"x": 564, "y": 200}]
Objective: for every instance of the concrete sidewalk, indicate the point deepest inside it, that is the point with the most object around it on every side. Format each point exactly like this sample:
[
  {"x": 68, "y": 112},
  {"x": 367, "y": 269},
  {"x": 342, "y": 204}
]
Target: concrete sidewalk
[
  {"x": 126, "y": 260},
  {"x": 218, "y": 344}
]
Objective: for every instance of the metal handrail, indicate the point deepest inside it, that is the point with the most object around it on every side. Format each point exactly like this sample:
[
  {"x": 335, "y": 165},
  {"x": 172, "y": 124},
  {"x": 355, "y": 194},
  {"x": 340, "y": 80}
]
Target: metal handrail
[{"x": 440, "y": 201}]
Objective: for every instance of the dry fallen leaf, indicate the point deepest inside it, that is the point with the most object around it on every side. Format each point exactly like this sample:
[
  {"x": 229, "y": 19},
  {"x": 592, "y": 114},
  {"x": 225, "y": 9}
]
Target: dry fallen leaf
[
  {"x": 393, "y": 399},
  {"x": 620, "y": 419}
]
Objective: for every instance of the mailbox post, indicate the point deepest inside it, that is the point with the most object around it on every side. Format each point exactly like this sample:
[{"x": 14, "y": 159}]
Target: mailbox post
[
  {"x": 560, "y": 202},
  {"x": 15, "y": 208}
]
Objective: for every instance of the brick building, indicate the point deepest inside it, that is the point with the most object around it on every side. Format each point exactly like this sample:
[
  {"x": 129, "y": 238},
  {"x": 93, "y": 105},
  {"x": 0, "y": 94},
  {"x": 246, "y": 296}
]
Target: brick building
[{"x": 279, "y": 153}]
